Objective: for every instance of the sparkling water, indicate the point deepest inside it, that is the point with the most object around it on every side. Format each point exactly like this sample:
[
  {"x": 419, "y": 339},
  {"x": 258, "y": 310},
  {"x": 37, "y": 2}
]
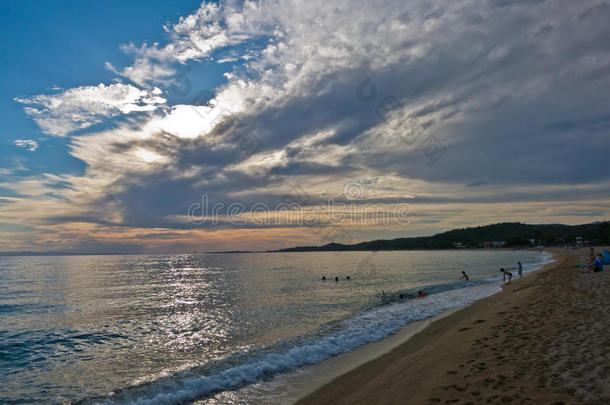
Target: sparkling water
[{"x": 183, "y": 328}]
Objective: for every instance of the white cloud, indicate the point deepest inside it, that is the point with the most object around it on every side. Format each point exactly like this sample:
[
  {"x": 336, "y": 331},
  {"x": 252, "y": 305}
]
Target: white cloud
[
  {"x": 213, "y": 26},
  {"x": 62, "y": 113},
  {"x": 28, "y": 144}
]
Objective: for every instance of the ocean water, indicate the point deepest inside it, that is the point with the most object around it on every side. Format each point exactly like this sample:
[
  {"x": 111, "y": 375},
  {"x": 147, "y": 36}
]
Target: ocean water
[{"x": 170, "y": 329}]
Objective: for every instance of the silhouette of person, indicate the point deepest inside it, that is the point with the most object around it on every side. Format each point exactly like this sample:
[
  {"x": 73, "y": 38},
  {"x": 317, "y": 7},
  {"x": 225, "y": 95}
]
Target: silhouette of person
[{"x": 506, "y": 273}]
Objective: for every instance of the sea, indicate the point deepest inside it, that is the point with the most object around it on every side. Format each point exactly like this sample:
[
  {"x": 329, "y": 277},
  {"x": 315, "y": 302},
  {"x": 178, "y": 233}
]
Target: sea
[{"x": 215, "y": 328}]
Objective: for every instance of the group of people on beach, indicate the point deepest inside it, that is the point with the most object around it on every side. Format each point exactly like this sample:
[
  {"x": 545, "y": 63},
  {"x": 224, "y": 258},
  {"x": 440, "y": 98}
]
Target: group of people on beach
[{"x": 505, "y": 273}]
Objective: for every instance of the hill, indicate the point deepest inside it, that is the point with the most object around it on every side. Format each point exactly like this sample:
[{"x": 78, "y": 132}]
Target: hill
[{"x": 508, "y": 234}]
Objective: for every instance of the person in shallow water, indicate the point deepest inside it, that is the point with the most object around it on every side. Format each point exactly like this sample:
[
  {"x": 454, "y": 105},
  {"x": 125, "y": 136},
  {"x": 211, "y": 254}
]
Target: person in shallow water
[
  {"x": 464, "y": 276},
  {"x": 505, "y": 274},
  {"x": 336, "y": 278},
  {"x": 520, "y": 269},
  {"x": 323, "y": 278},
  {"x": 421, "y": 294}
]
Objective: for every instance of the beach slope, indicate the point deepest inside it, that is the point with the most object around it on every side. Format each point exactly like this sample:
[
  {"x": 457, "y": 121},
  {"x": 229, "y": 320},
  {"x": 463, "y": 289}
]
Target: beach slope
[{"x": 542, "y": 340}]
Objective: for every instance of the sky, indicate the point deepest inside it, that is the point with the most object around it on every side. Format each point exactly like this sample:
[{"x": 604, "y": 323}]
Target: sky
[{"x": 166, "y": 127}]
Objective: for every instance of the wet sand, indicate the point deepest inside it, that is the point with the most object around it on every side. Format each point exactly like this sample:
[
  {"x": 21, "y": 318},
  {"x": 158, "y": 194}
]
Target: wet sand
[{"x": 545, "y": 339}]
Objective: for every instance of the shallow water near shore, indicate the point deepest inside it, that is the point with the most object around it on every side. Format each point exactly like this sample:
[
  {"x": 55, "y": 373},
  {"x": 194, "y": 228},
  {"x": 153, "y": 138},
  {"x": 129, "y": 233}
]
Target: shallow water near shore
[{"x": 217, "y": 328}]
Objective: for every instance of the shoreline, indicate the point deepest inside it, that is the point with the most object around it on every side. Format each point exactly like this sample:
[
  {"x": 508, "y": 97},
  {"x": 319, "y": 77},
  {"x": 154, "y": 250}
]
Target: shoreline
[
  {"x": 454, "y": 358},
  {"x": 316, "y": 376},
  {"x": 305, "y": 381}
]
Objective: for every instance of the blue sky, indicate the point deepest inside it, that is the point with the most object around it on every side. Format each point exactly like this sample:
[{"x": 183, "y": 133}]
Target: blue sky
[
  {"x": 65, "y": 44},
  {"x": 120, "y": 119}
]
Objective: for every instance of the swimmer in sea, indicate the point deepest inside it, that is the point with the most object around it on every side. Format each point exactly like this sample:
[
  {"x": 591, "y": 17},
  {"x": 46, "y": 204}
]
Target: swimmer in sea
[
  {"x": 421, "y": 294},
  {"x": 464, "y": 276}
]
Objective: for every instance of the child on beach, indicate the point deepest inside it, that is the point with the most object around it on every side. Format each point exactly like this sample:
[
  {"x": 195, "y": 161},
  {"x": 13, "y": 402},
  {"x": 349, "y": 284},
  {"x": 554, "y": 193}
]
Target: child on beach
[{"x": 506, "y": 273}]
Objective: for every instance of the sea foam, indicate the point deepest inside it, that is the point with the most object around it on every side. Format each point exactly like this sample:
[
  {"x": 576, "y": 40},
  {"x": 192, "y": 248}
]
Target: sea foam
[
  {"x": 367, "y": 327},
  {"x": 370, "y": 326}
]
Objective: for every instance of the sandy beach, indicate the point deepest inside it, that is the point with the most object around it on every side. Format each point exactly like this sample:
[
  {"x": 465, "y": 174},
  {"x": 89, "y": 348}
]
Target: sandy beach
[{"x": 543, "y": 340}]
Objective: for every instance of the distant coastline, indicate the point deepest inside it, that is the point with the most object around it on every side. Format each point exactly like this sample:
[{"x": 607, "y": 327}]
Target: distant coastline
[
  {"x": 513, "y": 235},
  {"x": 501, "y": 235}
]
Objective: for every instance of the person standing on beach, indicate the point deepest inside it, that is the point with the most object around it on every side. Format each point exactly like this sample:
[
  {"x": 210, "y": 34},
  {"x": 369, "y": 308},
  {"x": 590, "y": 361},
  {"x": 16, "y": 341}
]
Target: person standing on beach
[
  {"x": 464, "y": 276},
  {"x": 506, "y": 273},
  {"x": 520, "y": 269}
]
